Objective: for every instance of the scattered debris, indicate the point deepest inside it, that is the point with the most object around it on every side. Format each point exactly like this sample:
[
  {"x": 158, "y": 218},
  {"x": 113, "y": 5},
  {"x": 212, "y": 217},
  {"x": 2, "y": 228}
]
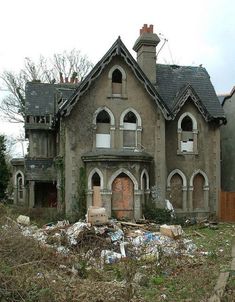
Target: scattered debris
[
  {"x": 198, "y": 234},
  {"x": 109, "y": 240},
  {"x": 173, "y": 231},
  {"x": 97, "y": 216},
  {"x": 24, "y": 220}
]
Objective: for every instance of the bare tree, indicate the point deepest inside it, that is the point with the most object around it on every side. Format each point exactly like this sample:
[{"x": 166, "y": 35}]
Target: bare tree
[{"x": 70, "y": 64}]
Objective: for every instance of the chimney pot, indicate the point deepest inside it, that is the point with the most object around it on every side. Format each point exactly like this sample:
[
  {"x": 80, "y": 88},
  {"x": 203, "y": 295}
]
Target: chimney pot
[{"x": 146, "y": 29}]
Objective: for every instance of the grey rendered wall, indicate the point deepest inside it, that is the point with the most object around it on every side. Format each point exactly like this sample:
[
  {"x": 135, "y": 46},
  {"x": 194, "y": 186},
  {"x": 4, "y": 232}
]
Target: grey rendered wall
[
  {"x": 207, "y": 159},
  {"x": 228, "y": 147},
  {"x": 79, "y": 132}
]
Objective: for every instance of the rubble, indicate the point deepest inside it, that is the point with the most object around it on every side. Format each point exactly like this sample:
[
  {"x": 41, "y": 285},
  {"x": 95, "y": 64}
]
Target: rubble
[
  {"x": 24, "y": 220},
  {"x": 111, "y": 241},
  {"x": 173, "y": 231}
]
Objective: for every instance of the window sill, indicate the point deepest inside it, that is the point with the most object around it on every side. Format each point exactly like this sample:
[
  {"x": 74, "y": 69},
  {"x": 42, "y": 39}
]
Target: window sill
[
  {"x": 117, "y": 97},
  {"x": 186, "y": 153}
]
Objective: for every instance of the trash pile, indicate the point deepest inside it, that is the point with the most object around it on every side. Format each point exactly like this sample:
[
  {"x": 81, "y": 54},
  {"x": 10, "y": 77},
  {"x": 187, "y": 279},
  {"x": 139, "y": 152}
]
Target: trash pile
[{"x": 110, "y": 241}]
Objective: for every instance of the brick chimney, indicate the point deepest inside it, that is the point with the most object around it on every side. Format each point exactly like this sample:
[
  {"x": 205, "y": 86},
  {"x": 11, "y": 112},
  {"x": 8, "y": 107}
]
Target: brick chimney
[{"x": 145, "y": 47}]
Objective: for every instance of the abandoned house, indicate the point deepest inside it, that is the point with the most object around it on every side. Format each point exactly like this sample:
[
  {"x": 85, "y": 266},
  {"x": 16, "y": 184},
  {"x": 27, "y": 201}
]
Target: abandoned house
[{"x": 129, "y": 129}]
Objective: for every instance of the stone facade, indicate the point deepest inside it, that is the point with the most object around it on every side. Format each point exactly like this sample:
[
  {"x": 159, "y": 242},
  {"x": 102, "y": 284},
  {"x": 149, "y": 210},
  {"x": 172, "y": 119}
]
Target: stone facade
[
  {"x": 128, "y": 126},
  {"x": 227, "y": 144}
]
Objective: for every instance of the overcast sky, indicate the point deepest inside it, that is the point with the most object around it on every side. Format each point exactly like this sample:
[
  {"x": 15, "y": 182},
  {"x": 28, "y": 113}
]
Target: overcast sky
[{"x": 198, "y": 32}]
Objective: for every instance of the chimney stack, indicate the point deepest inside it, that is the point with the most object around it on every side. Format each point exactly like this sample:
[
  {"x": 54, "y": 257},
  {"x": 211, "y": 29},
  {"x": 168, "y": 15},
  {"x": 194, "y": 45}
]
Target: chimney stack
[{"x": 145, "y": 47}]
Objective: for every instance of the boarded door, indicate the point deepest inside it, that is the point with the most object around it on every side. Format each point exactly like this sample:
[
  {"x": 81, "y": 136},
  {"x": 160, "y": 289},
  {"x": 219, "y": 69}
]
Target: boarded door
[
  {"x": 176, "y": 191},
  {"x": 96, "y": 196},
  {"x": 227, "y": 206},
  {"x": 122, "y": 197},
  {"x": 198, "y": 193}
]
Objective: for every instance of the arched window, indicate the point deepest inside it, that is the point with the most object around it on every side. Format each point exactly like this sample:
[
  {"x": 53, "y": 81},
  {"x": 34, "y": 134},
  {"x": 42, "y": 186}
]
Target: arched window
[
  {"x": 117, "y": 78},
  {"x": 177, "y": 190},
  {"x": 103, "y": 130},
  {"x": 199, "y": 185},
  {"x": 19, "y": 186},
  {"x": 96, "y": 190},
  {"x": 129, "y": 130},
  {"x": 187, "y": 133}
]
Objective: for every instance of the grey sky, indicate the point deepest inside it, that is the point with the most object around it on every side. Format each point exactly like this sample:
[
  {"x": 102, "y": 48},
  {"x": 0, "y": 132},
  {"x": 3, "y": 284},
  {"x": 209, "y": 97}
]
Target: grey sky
[{"x": 199, "y": 32}]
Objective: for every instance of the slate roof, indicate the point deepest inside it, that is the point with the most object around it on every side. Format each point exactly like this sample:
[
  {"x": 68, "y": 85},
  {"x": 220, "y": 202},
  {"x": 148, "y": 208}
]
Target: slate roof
[
  {"x": 174, "y": 85},
  {"x": 173, "y": 80},
  {"x": 117, "y": 49},
  {"x": 41, "y": 97}
]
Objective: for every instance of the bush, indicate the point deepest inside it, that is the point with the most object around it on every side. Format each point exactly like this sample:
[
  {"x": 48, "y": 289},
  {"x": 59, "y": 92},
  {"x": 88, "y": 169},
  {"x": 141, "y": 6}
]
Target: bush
[{"x": 157, "y": 215}]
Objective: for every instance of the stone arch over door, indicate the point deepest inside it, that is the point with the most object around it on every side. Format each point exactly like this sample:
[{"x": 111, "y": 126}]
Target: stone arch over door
[
  {"x": 177, "y": 189},
  {"x": 199, "y": 186}
]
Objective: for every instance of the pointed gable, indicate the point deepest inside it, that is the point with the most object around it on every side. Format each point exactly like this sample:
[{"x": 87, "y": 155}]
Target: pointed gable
[
  {"x": 176, "y": 83},
  {"x": 117, "y": 49}
]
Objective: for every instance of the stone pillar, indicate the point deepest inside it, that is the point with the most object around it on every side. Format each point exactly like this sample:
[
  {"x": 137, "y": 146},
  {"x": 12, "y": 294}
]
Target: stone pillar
[
  {"x": 184, "y": 189},
  {"x": 138, "y": 138},
  {"x": 31, "y": 194},
  {"x": 206, "y": 198},
  {"x": 106, "y": 196},
  {"x": 137, "y": 204},
  {"x": 179, "y": 140},
  {"x": 120, "y": 142},
  {"x": 89, "y": 196},
  {"x": 190, "y": 199},
  {"x": 112, "y": 138},
  {"x": 195, "y": 149}
]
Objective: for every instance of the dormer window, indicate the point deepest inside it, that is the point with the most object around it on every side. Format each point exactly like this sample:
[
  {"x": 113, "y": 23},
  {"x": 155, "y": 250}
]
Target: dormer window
[
  {"x": 187, "y": 134},
  {"x": 117, "y": 81}
]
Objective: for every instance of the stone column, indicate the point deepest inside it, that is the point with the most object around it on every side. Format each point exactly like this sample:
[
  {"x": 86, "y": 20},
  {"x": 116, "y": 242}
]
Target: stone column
[
  {"x": 184, "y": 189},
  {"x": 112, "y": 138},
  {"x": 106, "y": 196},
  {"x": 206, "y": 198},
  {"x": 190, "y": 199},
  {"x": 31, "y": 194},
  {"x": 89, "y": 196},
  {"x": 137, "y": 204},
  {"x": 195, "y": 149}
]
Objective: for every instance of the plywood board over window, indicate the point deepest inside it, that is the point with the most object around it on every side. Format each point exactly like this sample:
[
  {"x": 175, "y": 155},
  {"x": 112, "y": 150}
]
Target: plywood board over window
[
  {"x": 176, "y": 195},
  {"x": 198, "y": 192}
]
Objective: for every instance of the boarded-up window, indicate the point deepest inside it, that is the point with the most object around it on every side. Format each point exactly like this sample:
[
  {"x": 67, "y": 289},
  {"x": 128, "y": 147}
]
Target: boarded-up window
[
  {"x": 198, "y": 192},
  {"x": 129, "y": 131},
  {"x": 176, "y": 196},
  {"x": 187, "y": 135},
  {"x": 103, "y": 130}
]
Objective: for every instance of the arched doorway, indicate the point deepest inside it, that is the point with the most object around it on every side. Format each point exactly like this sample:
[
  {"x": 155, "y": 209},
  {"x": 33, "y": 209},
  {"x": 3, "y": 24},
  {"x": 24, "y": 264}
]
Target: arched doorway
[
  {"x": 176, "y": 193},
  {"x": 96, "y": 201},
  {"x": 198, "y": 191},
  {"x": 123, "y": 197}
]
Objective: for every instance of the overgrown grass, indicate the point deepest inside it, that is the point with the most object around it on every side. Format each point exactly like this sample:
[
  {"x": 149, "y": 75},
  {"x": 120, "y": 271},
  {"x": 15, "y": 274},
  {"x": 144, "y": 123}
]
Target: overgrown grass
[{"x": 32, "y": 272}]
